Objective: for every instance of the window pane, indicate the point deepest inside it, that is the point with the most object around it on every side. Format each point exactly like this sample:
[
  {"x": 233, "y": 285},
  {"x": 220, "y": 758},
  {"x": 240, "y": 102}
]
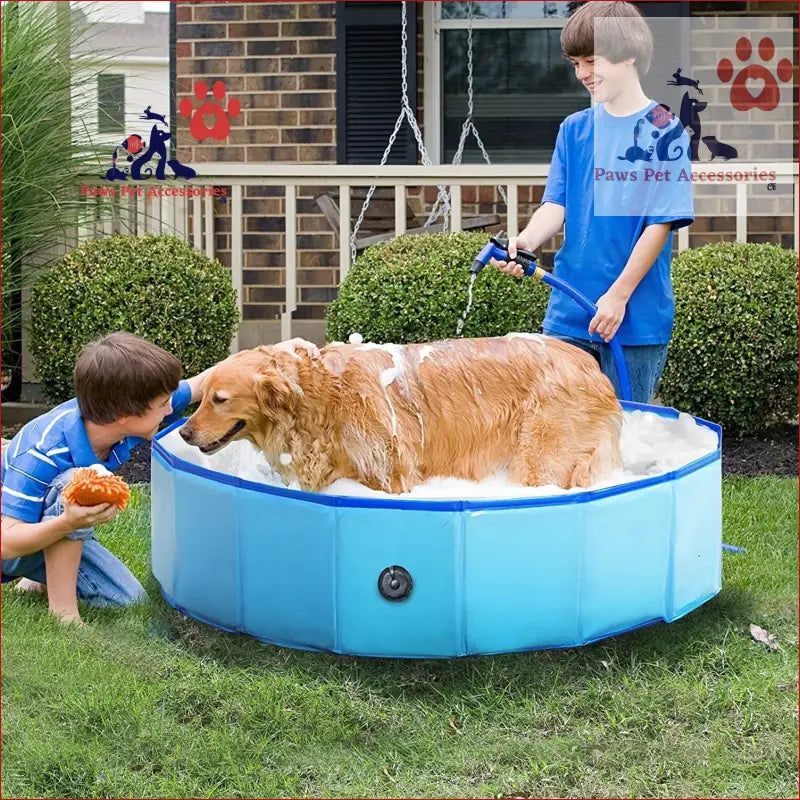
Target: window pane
[
  {"x": 111, "y": 103},
  {"x": 523, "y": 89},
  {"x": 520, "y": 10}
]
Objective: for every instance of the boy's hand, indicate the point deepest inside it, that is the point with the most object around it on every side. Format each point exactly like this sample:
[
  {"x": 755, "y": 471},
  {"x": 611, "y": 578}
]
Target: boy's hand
[
  {"x": 609, "y": 316},
  {"x": 79, "y": 517},
  {"x": 510, "y": 267},
  {"x": 197, "y": 384},
  {"x": 291, "y": 345}
]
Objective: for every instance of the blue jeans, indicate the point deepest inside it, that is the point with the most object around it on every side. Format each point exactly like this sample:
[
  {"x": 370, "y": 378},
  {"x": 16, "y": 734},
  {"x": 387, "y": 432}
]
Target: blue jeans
[
  {"x": 645, "y": 364},
  {"x": 103, "y": 580}
]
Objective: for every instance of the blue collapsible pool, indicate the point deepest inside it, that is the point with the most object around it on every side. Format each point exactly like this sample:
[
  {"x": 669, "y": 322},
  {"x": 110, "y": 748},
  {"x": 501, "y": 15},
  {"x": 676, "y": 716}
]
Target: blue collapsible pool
[
  {"x": 412, "y": 578},
  {"x": 437, "y": 578}
]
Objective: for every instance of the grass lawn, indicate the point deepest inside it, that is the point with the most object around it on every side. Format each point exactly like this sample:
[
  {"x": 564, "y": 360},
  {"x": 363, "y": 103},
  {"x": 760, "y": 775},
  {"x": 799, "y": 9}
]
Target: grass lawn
[{"x": 143, "y": 703}]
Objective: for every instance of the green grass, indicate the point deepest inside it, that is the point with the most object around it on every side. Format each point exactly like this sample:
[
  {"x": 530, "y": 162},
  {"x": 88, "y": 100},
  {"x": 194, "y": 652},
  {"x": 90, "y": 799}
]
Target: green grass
[{"x": 143, "y": 703}]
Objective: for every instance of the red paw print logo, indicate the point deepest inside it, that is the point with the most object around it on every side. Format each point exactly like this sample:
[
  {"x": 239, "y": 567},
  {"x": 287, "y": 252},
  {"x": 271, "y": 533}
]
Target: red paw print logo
[
  {"x": 769, "y": 96},
  {"x": 221, "y": 125}
]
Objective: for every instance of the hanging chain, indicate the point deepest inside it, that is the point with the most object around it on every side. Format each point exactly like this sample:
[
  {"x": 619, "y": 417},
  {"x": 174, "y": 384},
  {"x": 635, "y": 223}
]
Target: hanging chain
[
  {"x": 442, "y": 205},
  {"x": 467, "y": 128},
  {"x": 405, "y": 113}
]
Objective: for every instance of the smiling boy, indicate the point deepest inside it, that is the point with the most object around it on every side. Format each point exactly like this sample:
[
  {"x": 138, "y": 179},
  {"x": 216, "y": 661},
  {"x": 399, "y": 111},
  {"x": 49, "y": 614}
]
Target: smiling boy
[{"x": 617, "y": 233}]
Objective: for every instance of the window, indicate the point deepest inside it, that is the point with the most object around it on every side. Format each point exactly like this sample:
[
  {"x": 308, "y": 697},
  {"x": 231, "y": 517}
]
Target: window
[
  {"x": 369, "y": 81},
  {"x": 523, "y": 86},
  {"x": 111, "y": 103},
  {"x": 523, "y": 89},
  {"x": 519, "y": 10}
]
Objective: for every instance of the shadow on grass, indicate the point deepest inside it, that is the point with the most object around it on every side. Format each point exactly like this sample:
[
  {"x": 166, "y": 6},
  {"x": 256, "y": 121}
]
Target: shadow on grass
[{"x": 675, "y": 646}]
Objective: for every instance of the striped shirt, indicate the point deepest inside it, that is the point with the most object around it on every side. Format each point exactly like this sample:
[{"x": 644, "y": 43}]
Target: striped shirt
[{"x": 54, "y": 443}]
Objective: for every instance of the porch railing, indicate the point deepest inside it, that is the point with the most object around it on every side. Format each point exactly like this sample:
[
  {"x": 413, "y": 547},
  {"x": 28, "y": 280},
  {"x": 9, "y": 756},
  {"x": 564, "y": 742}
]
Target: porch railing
[{"x": 193, "y": 218}]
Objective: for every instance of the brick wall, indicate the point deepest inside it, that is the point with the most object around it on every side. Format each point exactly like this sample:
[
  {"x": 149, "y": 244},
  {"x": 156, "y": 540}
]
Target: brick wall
[
  {"x": 710, "y": 44},
  {"x": 757, "y": 137},
  {"x": 278, "y": 59}
]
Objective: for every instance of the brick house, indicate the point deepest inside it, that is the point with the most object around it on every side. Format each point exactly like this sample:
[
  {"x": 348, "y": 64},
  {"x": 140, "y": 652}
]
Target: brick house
[{"x": 319, "y": 83}]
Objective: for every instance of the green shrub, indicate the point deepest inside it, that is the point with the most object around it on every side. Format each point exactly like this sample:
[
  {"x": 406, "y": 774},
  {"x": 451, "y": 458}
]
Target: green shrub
[
  {"x": 414, "y": 289},
  {"x": 157, "y": 287},
  {"x": 733, "y": 355}
]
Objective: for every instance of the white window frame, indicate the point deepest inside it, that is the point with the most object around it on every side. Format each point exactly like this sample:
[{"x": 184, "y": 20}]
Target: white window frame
[
  {"x": 433, "y": 25},
  {"x": 100, "y": 111}
]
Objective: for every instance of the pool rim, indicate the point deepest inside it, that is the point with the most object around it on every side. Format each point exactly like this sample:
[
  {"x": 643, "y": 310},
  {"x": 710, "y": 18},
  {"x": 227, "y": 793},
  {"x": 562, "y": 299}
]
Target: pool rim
[{"x": 448, "y": 505}]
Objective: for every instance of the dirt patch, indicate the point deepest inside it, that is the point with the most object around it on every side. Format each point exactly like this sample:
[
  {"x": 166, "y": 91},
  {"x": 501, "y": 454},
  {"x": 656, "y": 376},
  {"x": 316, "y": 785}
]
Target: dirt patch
[
  {"x": 773, "y": 452},
  {"x": 137, "y": 469}
]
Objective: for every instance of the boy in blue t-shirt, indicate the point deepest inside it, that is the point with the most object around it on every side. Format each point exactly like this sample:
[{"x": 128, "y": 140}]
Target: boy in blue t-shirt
[
  {"x": 126, "y": 387},
  {"x": 619, "y": 183}
]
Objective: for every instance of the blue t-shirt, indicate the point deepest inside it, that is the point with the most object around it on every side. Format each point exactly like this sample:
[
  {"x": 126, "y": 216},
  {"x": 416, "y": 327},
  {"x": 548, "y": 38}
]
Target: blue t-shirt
[
  {"x": 646, "y": 155},
  {"x": 54, "y": 443}
]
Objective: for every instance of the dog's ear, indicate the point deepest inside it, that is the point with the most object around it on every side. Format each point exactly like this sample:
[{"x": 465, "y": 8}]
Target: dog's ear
[{"x": 276, "y": 389}]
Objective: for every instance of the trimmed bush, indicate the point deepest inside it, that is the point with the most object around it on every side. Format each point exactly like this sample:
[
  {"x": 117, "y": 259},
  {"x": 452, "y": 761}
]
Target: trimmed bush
[
  {"x": 733, "y": 355},
  {"x": 414, "y": 289},
  {"x": 157, "y": 287}
]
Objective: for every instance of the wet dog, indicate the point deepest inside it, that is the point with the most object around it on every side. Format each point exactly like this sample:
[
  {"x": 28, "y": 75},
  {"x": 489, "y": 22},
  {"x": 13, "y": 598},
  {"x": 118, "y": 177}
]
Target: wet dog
[{"x": 392, "y": 416}]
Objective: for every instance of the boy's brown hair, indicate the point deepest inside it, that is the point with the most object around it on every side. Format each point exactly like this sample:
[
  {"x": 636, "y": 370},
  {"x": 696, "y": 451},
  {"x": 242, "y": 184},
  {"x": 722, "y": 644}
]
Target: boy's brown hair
[
  {"x": 625, "y": 34},
  {"x": 121, "y": 375}
]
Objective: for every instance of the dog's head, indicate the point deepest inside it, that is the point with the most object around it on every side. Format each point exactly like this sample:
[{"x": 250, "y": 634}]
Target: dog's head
[{"x": 243, "y": 398}]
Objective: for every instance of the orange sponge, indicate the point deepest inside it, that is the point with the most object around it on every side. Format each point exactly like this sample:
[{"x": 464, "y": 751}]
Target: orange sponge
[{"x": 87, "y": 488}]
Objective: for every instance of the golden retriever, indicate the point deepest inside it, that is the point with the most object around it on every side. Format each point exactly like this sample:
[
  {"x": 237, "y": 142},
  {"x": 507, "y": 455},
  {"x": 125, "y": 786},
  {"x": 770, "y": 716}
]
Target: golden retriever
[{"x": 392, "y": 416}]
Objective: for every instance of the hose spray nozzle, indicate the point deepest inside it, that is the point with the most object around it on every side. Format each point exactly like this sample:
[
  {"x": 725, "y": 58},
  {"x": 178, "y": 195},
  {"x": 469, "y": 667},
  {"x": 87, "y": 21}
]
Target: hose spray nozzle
[{"x": 497, "y": 248}]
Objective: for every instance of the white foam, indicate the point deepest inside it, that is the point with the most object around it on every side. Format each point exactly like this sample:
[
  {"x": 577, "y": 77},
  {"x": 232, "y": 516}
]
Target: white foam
[
  {"x": 398, "y": 368},
  {"x": 425, "y": 352},
  {"x": 100, "y": 470},
  {"x": 651, "y": 445},
  {"x": 390, "y": 374},
  {"x": 355, "y": 338},
  {"x": 536, "y": 337},
  {"x": 397, "y": 352},
  {"x": 286, "y": 459}
]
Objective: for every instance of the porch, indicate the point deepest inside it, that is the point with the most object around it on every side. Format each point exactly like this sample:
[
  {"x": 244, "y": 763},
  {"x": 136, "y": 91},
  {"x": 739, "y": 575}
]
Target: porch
[{"x": 219, "y": 228}]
